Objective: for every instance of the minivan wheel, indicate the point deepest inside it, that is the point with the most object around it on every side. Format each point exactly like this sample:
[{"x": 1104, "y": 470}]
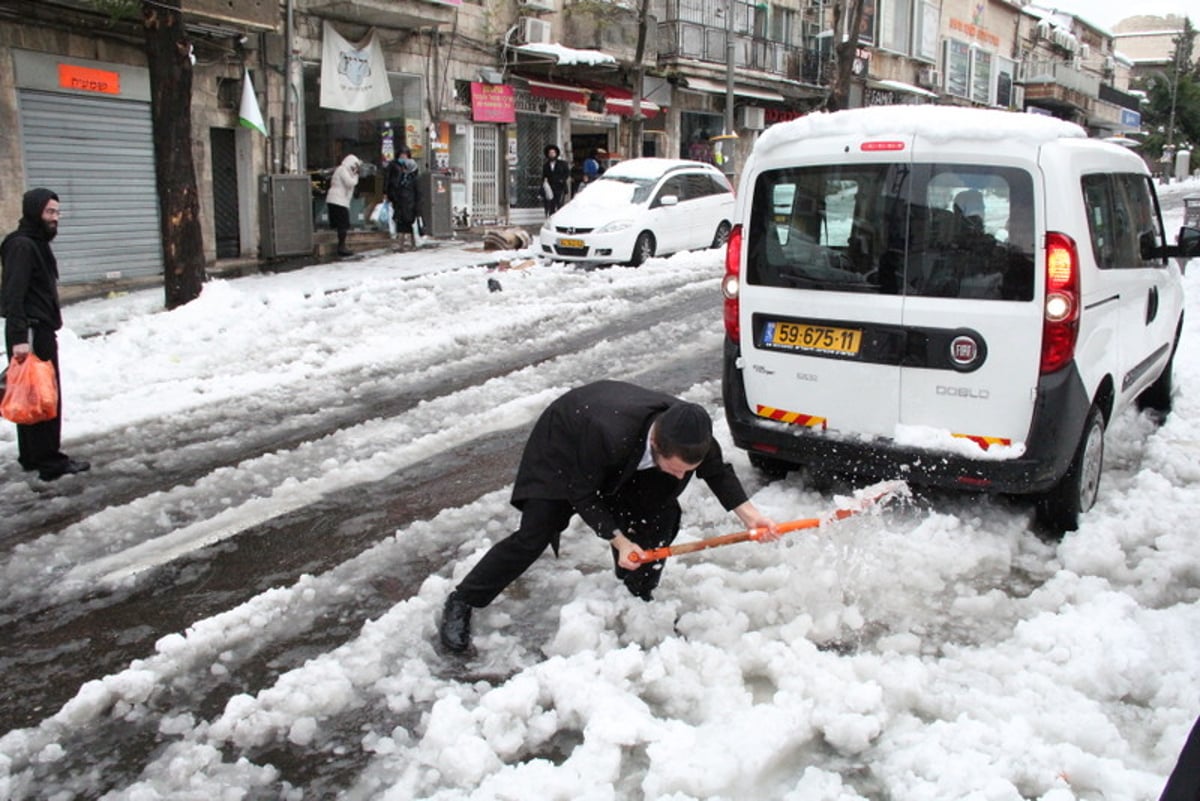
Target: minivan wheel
[
  {"x": 1157, "y": 396},
  {"x": 1060, "y": 508},
  {"x": 722, "y": 234},
  {"x": 643, "y": 248},
  {"x": 772, "y": 469}
]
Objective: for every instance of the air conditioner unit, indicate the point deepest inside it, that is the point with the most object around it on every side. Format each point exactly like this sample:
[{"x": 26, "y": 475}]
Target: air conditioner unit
[
  {"x": 752, "y": 118},
  {"x": 930, "y": 77},
  {"x": 536, "y": 5},
  {"x": 534, "y": 31}
]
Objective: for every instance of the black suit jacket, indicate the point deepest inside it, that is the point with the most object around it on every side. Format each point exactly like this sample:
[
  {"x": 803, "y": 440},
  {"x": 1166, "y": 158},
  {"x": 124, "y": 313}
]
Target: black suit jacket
[{"x": 586, "y": 446}]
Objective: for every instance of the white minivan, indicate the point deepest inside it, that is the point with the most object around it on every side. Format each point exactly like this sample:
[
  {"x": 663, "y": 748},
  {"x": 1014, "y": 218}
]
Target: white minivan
[
  {"x": 642, "y": 208},
  {"x": 957, "y": 297}
]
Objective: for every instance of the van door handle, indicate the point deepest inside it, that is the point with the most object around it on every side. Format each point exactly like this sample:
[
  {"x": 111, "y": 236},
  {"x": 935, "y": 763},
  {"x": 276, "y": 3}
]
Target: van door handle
[{"x": 1151, "y": 305}]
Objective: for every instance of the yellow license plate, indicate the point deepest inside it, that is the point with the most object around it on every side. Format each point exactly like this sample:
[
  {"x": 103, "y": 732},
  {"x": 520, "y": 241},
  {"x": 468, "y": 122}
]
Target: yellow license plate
[
  {"x": 570, "y": 243},
  {"x": 803, "y": 336}
]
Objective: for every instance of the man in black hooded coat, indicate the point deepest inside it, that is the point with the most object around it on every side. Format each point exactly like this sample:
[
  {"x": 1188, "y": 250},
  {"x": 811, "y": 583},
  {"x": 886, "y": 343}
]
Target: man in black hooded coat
[
  {"x": 29, "y": 303},
  {"x": 618, "y": 455}
]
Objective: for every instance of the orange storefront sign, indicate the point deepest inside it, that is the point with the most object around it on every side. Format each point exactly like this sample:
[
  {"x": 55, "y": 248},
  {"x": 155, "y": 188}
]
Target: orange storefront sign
[{"x": 87, "y": 79}]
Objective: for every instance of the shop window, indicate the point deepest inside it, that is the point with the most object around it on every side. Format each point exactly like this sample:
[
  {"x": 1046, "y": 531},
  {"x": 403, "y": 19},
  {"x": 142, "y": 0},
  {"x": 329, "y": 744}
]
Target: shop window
[{"x": 332, "y": 135}]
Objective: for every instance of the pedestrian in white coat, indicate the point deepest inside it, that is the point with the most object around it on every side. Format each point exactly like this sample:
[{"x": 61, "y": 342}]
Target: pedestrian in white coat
[{"x": 337, "y": 199}]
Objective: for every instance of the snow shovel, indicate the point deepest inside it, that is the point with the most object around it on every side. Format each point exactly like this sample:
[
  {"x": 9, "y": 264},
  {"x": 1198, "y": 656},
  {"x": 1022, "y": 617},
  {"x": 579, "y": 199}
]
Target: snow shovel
[{"x": 863, "y": 500}]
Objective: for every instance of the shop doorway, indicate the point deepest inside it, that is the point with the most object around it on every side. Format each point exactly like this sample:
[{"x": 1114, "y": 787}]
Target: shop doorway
[
  {"x": 585, "y": 143},
  {"x": 226, "y": 216}
]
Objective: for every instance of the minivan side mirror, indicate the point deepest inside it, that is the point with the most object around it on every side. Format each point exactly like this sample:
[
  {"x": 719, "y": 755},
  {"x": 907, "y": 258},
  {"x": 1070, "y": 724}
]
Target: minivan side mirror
[
  {"x": 669, "y": 200},
  {"x": 1187, "y": 246}
]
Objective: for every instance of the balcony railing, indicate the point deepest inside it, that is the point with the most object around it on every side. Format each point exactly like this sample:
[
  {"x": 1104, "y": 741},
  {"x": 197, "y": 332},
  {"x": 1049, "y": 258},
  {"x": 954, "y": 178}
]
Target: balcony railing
[
  {"x": 1061, "y": 73},
  {"x": 691, "y": 40}
]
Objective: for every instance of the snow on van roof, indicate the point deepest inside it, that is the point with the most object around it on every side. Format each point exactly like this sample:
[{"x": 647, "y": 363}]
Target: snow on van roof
[{"x": 938, "y": 123}]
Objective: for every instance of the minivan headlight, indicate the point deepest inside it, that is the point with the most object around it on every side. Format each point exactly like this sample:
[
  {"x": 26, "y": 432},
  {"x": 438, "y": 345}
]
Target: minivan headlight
[{"x": 614, "y": 226}]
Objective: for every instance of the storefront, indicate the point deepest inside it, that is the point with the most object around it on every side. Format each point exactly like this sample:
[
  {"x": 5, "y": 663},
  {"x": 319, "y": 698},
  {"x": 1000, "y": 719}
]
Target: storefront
[
  {"x": 373, "y": 135},
  {"x": 86, "y": 133}
]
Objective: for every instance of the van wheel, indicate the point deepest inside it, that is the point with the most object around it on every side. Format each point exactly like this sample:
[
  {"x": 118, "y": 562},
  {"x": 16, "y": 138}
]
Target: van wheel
[
  {"x": 771, "y": 469},
  {"x": 643, "y": 248},
  {"x": 722, "y": 234},
  {"x": 1060, "y": 508},
  {"x": 1157, "y": 396}
]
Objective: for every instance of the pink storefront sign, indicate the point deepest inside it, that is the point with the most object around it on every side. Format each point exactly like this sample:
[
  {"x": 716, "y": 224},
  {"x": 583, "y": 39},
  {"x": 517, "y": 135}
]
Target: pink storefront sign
[{"x": 493, "y": 102}]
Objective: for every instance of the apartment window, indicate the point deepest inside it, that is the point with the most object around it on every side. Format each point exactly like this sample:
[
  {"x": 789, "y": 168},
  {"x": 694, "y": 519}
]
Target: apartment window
[
  {"x": 1006, "y": 69},
  {"x": 958, "y": 68},
  {"x": 926, "y": 33},
  {"x": 981, "y": 77},
  {"x": 895, "y": 25},
  {"x": 783, "y": 24}
]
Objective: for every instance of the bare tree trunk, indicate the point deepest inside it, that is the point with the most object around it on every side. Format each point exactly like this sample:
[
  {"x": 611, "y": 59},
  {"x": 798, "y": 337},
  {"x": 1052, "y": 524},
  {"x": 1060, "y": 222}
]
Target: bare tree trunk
[
  {"x": 844, "y": 52},
  {"x": 169, "y": 58}
]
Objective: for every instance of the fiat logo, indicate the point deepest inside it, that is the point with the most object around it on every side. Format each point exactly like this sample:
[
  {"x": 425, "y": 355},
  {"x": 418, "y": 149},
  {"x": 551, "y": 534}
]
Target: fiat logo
[{"x": 964, "y": 351}]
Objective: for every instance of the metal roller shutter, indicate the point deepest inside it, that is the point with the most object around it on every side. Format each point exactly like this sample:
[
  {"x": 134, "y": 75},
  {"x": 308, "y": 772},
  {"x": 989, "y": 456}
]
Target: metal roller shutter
[{"x": 98, "y": 155}]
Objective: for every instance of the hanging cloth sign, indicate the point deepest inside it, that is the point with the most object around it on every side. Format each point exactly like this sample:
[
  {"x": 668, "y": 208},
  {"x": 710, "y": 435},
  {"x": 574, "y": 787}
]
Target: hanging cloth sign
[{"x": 353, "y": 74}]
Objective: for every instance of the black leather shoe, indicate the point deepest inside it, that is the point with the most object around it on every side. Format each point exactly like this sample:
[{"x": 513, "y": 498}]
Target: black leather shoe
[
  {"x": 66, "y": 468},
  {"x": 455, "y": 628}
]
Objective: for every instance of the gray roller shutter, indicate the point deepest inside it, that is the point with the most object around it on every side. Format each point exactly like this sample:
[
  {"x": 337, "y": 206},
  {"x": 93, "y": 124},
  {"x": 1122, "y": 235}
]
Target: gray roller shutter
[{"x": 98, "y": 155}]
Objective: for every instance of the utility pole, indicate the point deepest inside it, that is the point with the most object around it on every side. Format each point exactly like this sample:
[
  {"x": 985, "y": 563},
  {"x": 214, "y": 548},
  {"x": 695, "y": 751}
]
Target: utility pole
[
  {"x": 1169, "y": 152},
  {"x": 639, "y": 80},
  {"x": 729, "y": 64}
]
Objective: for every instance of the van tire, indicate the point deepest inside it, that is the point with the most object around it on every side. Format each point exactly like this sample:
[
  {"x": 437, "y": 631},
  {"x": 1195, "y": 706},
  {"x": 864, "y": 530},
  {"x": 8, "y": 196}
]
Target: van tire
[
  {"x": 1157, "y": 396},
  {"x": 1060, "y": 508},
  {"x": 722, "y": 234},
  {"x": 772, "y": 469},
  {"x": 643, "y": 248}
]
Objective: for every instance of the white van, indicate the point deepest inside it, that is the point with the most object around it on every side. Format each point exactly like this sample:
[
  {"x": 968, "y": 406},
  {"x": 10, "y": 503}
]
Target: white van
[{"x": 957, "y": 297}]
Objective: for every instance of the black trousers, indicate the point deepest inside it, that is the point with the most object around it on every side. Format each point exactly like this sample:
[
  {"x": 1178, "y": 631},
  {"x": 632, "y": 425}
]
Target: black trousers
[
  {"x": 646, "y": 511},
  {"x": 339, "y": 220},
  {"x": 39, "y": 445}
]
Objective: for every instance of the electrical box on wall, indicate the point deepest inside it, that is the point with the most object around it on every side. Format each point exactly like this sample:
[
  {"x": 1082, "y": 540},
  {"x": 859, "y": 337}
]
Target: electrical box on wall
[
  {"x": 286, "y": 226},
  {"x": 536, "y": 5},
  {"x": 752, "y": 118}
]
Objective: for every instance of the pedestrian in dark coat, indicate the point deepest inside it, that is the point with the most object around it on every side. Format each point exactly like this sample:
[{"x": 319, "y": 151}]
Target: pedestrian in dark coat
[
  {"x": 404, "y": 192},
  {"x": 32, "y": 315},
  {"x": 618, "y": 455},
  {"x": 1184, "y": 781},
  {"x": 556, "y": 173}
]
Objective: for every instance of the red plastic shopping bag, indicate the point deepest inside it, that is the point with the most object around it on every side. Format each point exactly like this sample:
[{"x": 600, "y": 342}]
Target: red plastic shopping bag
[{"x": 30, "y": 391}]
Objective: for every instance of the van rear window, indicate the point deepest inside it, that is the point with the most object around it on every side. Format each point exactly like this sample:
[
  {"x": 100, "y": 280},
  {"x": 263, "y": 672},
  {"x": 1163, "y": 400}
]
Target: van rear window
[{"x": 932, "y": 230}]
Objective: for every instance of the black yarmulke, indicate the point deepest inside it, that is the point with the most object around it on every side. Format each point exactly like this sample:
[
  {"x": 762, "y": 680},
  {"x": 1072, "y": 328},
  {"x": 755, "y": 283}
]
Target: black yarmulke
[{"x": 685, "y": 424}]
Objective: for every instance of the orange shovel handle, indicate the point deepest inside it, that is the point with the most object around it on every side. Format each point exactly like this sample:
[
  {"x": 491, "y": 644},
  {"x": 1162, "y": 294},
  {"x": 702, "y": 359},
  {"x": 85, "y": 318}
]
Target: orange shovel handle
[{"x": 655, "y": 554}]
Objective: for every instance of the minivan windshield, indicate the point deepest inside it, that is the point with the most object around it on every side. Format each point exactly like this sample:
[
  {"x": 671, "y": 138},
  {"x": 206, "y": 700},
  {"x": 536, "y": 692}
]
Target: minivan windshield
[
  {"x": 624, "y": 188},
  {"x": 935, "y": 230}
]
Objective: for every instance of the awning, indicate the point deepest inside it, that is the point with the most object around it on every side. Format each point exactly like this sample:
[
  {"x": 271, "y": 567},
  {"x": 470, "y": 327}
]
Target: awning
[
  {"x": 901, "y": 86},
  {"x": 617, "y": 100},
  {"x": 565, "y": 56},
  {"x": 713, "y": 87}
]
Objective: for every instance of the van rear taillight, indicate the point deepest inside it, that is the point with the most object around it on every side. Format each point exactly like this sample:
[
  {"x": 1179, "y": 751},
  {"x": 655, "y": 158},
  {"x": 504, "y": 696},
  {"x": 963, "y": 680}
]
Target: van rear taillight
[
  {"x": 731, "y": 283},
  {"x": 879, "y": 146},
  {"x": 1060, "y": 322}
]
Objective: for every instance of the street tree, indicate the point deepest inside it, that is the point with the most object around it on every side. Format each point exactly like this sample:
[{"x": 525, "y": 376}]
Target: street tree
[
  {"x": 169, "y": 62},
  {"x": 847, "y": 26}
]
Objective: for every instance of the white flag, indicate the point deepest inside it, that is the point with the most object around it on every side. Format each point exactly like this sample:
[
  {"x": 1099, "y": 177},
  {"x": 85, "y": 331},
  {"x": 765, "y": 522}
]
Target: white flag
[
  {"x": 249, "y": 115},
  {"x": 353, "y": 75}
]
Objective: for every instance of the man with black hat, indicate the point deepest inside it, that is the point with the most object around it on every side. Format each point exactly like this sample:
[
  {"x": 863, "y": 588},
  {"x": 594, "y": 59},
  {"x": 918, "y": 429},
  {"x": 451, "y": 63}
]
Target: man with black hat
[
  {"x": 29, "y": 303},
  {"x": 618, "y": 455}
]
